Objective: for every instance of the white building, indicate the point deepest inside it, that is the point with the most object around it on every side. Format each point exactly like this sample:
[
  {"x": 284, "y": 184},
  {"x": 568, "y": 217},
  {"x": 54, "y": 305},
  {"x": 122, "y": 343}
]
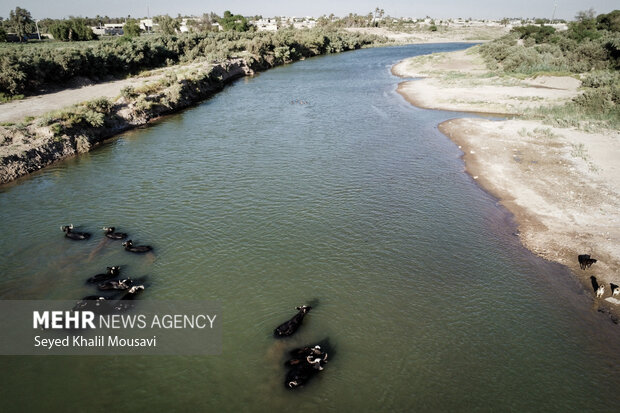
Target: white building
[
  {"x": 109, "y": 29},
  {"x": 147, "y": 25}
]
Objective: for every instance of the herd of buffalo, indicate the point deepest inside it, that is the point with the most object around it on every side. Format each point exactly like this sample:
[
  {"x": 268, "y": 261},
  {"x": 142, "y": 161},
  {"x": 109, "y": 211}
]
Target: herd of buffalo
[
  {"x": 304, "y": 363},
  {"x": 110, "y": 280}
]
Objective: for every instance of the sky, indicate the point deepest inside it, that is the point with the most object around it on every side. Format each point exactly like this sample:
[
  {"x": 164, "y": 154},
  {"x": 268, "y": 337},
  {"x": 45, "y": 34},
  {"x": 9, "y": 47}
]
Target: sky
[{"x": 477, "y": 9}]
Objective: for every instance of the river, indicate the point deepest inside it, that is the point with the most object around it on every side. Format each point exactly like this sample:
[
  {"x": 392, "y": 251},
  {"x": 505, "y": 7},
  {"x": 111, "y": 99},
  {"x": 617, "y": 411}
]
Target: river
[{"x": 313, "y": 182}]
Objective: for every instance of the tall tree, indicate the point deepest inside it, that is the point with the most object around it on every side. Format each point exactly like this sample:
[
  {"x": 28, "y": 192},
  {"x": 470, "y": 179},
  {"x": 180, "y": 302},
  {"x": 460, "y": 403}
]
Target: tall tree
[
  {"x": 235, "y": 22},
  {"x": 131, "y": 28},
  {"x": 21, "y": 21},
  {"x": 167, "y": 24},
  {"x": 2, "y": 31},
  {"x": 74, "y": 29}
]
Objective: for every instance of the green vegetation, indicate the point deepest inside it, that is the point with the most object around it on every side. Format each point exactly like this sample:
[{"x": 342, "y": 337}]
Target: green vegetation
[
  {"x": 589, "y": 48},
  {"x": 131, "y": 28},
  {"x": 21, "y": 22},
  {"x": 167, "y": 25},
  {"x": 235, "y": 22},
  {"x": 27, "y": 68},
  {"x": 586, "y": 45},
  {"x": 74, "y": 29}
]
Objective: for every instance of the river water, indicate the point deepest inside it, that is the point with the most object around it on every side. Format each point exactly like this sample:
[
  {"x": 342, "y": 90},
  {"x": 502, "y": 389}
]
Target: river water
[{"x": 352, "y": 201}]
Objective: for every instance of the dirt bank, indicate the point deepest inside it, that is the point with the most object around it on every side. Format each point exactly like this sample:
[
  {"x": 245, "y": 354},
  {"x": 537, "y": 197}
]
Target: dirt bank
[
  {"x": 562, "y": 184},
  {"x": 36, "y": 143}
]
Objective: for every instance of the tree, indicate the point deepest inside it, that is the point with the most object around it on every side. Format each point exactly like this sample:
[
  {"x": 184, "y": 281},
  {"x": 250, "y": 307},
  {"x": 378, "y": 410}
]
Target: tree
[
  {"x": 609, "y": 21},
  {"x": 235, "y": 22},
  {"x": 2, "y": 31},
  {"x": 21, "y": 21},
  {"x": 131, "y": 28},
  {"x": 167, "y": 24},
  {"x": 584, "y": 15},
  {"x": 584, "y": 27},
  {"x": 74, "y": 29}
]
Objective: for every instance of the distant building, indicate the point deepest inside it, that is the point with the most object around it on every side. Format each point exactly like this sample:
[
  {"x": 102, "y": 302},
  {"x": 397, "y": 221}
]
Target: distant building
[
  {"x": 147, "y": 25},
  {"x": 109, "y": 29},
  {"x": 265, "y": 25},
  {"x": 272, "y": 24}
]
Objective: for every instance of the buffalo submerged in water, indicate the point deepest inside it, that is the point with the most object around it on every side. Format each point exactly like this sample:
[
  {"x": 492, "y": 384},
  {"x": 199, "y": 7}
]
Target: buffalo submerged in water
[
  {"x": 305, "y": 363},
  {"x": 288, "y": 328}
]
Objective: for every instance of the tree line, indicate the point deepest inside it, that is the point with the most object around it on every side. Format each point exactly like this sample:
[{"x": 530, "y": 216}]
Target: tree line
[
  {"x": 21, "y": 23},
  {"x": 26, "y": 70}
]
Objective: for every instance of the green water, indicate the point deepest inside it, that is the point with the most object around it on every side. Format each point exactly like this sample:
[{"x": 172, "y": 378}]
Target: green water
[{"x": 353, "y": 201}]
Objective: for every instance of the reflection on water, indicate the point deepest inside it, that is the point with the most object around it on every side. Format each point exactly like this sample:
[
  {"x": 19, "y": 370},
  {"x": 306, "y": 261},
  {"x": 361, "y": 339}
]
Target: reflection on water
[{"x": 355, "y": 200}]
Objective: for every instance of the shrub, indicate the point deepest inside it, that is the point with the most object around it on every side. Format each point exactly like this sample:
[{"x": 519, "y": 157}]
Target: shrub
[
  {"x": 72, "y": 30},
  {"x": 27, "y": 69}
]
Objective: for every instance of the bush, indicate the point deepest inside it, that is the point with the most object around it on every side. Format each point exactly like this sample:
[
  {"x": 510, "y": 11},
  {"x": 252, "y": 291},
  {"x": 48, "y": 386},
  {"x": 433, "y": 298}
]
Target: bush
[
  {"x": 12, "y": 75},
  {"x": 543, "y": 49},
  {"x": 72, "y": 30},
  {"x": 131, "y": 28},
  {"x": 539, "y": 33},
  {"x": 27, "y": 69}
]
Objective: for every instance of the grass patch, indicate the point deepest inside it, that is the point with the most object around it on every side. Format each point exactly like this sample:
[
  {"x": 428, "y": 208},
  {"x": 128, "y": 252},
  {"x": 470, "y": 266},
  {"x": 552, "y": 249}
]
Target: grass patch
[
  {"x": 4, "y": 98},
  {"x": 579, "y": 151}
]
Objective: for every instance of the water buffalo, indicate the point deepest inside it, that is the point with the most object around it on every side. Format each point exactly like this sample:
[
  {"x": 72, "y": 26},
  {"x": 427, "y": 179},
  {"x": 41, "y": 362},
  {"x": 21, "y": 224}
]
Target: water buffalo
[
  {"x": 585, "y": 261},
  {"x": 69, "y": 233},
  {"x": 306, "y": 363},
  {"x": 136, "y": 248},
  {"x": 289, "y": 327},
  {"x": 116, "y": 284},
  {"x": 594, "y": 283},
  {"x": 125, "y": 303},
  {"x": 110, "y": 233},
  {"x": 110, "y": 273}
]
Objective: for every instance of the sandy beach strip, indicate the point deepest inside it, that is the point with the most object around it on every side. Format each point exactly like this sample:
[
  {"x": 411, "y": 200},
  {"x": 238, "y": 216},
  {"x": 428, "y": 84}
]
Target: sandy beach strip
[{"x": 561, "y": 184}]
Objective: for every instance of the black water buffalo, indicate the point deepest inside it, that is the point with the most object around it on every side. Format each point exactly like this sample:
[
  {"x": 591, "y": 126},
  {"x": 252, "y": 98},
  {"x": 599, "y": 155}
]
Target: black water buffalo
[
  {"x": 69, "y": 233},
  {"x": 289, "y": 327},
  {"x": 599, "y": 289},
  {"x": 136, "y": 248},
  {"x": 116, "y": 284},
  {"x": 585, "y": 261},
  {"x": 110, "y": 233},
  {"x": 110, "y": 273},
  {"x": 126, "y": 301},
  {"x": 305, "y": 364}
]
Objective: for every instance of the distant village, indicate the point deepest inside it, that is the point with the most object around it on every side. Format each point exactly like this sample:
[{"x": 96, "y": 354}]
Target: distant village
[
  {"x": 273, "y": 24},
  {"x": 211, "y": 22}
]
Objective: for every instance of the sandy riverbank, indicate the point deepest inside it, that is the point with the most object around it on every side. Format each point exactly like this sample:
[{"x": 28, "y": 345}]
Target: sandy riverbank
[
  {"x": 562, "y": 184},
  {"x": 444, "y": 34}
]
